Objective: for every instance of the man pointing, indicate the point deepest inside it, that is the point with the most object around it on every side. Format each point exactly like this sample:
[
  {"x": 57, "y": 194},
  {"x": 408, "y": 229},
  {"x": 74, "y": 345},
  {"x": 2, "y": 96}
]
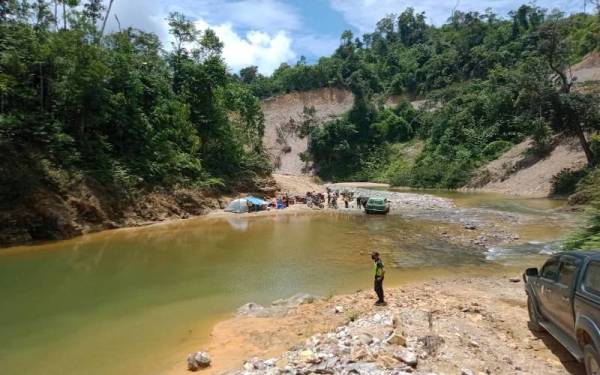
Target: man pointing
[{"x": 379, "y": 274}]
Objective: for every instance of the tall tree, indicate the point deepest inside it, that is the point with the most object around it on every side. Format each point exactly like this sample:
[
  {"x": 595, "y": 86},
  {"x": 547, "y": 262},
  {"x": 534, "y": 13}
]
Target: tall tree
[{"x": 553, "y": 46}]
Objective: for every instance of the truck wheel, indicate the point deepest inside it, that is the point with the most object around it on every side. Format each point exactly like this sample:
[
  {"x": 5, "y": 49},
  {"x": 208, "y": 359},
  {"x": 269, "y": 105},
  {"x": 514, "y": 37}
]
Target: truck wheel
[
  {"x": 591, "y": 360},
  {"x": 534, "y": 323}
]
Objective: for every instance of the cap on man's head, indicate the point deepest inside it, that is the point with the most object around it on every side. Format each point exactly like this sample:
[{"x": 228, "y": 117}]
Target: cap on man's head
[{"x": 374, "y": 252}]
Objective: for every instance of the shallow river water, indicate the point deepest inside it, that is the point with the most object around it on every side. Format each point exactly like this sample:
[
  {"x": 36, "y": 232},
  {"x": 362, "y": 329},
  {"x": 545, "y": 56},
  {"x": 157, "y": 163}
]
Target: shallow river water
[{"x": 134, "y": 300}]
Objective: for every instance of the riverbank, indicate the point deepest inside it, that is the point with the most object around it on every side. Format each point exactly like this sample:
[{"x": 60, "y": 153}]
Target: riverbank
[
  {"x": 49, "y": 213},
  {"x": 89, "y": 208},
  {"x": 454, "y": 326}
]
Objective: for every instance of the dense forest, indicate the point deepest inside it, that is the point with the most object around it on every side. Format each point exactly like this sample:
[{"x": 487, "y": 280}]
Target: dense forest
[
  {"x": 490, "y": 82},
  {"x": 77, "y": 104}
]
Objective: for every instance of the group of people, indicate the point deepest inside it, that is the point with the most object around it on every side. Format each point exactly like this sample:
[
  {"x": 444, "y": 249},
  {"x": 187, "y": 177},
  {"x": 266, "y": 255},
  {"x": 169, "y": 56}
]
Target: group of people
[
  {"x": 334, "y": 195},
  {"x": 283, "y": 201}
]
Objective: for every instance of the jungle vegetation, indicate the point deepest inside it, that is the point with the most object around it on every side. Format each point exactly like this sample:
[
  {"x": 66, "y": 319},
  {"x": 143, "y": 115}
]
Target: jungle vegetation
[
  {"x": 489, "y": 82},
  {"x": 79, "y": 104}
]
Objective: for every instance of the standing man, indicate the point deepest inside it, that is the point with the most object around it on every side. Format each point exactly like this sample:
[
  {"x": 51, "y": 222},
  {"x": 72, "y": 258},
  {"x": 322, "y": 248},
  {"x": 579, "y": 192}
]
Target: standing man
[{"x": 379, "y": 274}]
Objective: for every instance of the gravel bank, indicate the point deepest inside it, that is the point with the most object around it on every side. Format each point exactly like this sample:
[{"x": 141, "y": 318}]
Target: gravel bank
[{"x": 458, "y": 326}]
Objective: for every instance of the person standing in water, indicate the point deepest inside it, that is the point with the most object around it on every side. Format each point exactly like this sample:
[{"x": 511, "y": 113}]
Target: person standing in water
[{"x": 379, "y": 274}]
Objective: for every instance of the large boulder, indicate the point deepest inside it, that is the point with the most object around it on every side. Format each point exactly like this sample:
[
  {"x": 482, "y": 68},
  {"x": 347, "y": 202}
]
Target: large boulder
[{"x": 198, "y": 360}]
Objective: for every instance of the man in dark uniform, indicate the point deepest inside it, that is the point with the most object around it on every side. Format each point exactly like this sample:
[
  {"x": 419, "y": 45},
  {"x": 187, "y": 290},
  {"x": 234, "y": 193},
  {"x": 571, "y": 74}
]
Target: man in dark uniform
[{"x": 379, "y": 274}]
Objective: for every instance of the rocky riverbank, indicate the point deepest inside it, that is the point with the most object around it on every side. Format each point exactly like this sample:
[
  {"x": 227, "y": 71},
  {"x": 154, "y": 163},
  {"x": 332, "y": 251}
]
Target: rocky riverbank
[{"x": 459, "y": 326}]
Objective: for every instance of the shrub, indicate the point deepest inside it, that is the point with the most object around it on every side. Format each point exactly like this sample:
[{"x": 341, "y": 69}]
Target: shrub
[
  {"x": 493, "y": 150},
  {"x": 542, "y": 138},
  {"x": 565, "y": 181},
  {"x": 588, "y": 188}
]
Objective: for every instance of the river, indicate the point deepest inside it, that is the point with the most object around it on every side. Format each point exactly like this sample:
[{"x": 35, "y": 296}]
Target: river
[{"x": 133, "y": 300}]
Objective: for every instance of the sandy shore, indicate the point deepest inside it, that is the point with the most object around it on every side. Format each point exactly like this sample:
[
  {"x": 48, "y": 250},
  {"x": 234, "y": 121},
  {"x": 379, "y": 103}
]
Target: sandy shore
[{"x": 479, "y": 324}]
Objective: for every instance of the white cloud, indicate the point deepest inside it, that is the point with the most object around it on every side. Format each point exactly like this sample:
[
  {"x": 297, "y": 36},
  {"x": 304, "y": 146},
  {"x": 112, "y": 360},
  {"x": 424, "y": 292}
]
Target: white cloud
[
  {"x": 267, "y": 51},
  {"x": 364, "y": 14},
  {"x": 146, "y": 15},
  {"x": 267, "y": 24},
  {"x": 270, "y": 16}
]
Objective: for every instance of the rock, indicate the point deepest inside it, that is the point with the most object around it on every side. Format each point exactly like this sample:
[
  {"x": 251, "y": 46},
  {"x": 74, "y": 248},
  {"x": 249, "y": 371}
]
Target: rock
[
  {"x": 271, "y": 362},
  {"x": 365, "y": 339},
  {"x": 308, "y": 356},
  {"x": 251, "y": 308},
  {"x": 359, "y": 355},
  {"x": 396, "y": 338},
  {"x": 470, "y": 226},
  {"x": 255, "y": 364},
  {"x": 339, "y": 309},
  {"x": 514, "y": 279},
  {"x": 295, "y": 300},
  {"x": 387, "y": 361},
  {"x": 466, "y": 371},
  {"x": 198, "y": 360},
  {"x": 406, "y": 356}
]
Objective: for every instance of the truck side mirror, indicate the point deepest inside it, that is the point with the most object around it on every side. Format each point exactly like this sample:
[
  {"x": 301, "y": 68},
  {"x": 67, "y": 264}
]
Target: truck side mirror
[{"x": 531, "y": 272}]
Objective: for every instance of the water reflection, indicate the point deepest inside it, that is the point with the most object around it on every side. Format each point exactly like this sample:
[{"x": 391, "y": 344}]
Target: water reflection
[{"x": 238, "y": 223}]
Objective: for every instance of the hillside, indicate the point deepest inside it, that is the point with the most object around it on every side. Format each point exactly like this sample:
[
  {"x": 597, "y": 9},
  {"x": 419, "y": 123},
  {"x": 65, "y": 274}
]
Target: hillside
[
  {"x": 588, "y": 70},
  {"x": 521, "y": 173},
  {"x": 282, "y": 113}
]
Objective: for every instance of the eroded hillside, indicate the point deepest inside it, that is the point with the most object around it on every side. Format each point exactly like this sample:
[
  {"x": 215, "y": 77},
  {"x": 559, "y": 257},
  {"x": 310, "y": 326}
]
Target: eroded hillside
[{"x": 283, "y": 112}]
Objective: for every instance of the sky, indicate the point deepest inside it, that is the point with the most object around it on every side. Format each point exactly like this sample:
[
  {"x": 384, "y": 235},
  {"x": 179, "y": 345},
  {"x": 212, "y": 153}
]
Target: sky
[{"x": 267, "y": 33}]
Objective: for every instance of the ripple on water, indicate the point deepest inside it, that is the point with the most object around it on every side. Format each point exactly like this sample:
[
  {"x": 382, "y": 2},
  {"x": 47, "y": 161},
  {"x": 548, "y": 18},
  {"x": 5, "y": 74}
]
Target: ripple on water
[{"x": 516, "y": 251}]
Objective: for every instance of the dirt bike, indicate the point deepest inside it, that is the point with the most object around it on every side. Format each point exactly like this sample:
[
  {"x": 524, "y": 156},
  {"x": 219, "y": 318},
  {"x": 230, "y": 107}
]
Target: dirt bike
[{"x": 314, "y": 202}]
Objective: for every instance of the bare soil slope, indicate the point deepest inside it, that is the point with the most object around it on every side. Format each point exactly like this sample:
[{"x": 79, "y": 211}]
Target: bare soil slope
[
  {"x": 588, "y": 69},
  {"x": 297, "y": 184},
  {"x": 285, "y": 111},
  {"x": 518, "y": 173}
]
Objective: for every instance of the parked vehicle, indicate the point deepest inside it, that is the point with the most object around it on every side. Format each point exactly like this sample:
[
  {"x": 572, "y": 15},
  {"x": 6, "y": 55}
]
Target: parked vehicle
[
  {"x": 377, "y": 206},
  {"x": 563, "y": 298}
]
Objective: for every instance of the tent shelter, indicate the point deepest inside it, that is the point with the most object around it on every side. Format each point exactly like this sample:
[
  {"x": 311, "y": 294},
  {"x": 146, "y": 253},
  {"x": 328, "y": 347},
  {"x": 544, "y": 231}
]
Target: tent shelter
[
  {"x": 240, "y": 205},
  {"x": 257, "y": 201},
  {"x": 237, "y": 206}
]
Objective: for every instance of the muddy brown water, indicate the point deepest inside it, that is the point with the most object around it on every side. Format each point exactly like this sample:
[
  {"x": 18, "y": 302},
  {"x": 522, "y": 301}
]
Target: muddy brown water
[{"x": 127, "y": 301}]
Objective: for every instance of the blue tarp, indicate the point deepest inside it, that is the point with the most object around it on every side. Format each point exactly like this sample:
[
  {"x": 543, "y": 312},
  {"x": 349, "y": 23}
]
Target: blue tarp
[{"x": 256, "y": 201}]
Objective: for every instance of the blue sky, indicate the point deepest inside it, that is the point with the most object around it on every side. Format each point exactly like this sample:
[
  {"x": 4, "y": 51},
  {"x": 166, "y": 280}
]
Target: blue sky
[{"x": 268, "y": 32}]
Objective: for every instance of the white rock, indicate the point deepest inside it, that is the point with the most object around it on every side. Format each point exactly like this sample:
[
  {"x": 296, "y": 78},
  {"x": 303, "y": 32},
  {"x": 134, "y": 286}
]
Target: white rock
[
  {"x": 198, "y": 360},
  {"x": 407, "y": 357}
]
